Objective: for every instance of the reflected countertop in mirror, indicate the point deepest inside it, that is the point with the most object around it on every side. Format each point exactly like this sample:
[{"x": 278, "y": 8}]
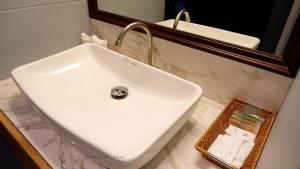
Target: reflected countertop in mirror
[{"x": 214, "y": 33}]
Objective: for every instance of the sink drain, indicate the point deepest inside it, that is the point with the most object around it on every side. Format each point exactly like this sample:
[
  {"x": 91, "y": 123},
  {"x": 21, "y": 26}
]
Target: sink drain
[{"x": 119, "y": 92}]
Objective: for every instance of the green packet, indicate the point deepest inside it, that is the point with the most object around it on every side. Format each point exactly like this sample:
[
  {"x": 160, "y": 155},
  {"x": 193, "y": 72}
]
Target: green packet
[{"x": 247, "y": 116}]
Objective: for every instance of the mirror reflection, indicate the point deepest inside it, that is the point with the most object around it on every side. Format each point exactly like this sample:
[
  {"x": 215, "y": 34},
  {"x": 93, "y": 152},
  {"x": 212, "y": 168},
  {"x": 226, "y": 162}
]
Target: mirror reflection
[{"x": 256, "y": 24}]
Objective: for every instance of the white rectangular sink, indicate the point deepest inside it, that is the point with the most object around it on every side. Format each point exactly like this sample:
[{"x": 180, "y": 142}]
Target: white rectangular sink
[
  {"x": 214, "y": 33},
  {"x": 72, "y": 90}
]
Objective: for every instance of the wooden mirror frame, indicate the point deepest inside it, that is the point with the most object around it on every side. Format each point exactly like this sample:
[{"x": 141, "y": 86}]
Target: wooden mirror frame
[{"x": 286, "y": 65}]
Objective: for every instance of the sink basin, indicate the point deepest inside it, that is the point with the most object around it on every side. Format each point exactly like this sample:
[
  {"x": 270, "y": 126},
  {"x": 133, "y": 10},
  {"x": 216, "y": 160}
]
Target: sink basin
[
  {"x": 214, "y": 33},
  {"x": 72, "y": 91}
]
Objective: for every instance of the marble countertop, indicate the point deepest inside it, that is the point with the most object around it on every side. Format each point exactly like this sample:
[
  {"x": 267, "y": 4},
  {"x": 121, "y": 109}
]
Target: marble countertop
[{"x": 179, "y": 153}]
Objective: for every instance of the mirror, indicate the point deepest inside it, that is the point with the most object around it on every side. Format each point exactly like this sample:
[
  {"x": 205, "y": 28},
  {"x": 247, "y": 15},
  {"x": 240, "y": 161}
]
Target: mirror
[
  {"x": 257, "y": 24},
  {"x": 284, "y": 62}
]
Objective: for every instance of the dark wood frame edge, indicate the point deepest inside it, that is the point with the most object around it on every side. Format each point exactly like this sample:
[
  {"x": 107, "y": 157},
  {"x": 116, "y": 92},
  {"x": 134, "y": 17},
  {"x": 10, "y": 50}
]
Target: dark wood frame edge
[{"x": 282, "y": 65}]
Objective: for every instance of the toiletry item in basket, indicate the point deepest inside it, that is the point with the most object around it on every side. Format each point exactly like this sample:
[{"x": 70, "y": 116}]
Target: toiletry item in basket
[
  {"x": 247, "y": 121},
  {"x": 245, "y": 135},
  {"x": 242, "y": 154},
  {"x": 246, "y": 146},
  {"x": 232, "y": 148},
  {"x": 224, "y": 148}
]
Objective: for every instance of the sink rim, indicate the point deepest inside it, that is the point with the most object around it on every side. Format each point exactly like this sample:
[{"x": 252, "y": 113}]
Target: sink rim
[{"x": 44, "y": 108}]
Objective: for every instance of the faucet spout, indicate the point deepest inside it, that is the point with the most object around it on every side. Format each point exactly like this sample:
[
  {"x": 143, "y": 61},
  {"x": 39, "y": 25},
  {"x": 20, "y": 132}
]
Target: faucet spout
[
  {"x": 146, "y": 29},
  {"x": 179, "y": 15}
]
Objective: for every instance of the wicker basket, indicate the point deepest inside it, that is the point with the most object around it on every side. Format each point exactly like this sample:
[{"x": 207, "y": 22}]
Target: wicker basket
[{"x": 221, "y": 123}]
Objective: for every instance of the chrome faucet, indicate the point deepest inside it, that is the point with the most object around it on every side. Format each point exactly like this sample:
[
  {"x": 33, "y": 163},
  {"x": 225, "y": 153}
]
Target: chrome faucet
[
  {"x": 146, "y": 29},
  {"x": 179, "y": 15}
]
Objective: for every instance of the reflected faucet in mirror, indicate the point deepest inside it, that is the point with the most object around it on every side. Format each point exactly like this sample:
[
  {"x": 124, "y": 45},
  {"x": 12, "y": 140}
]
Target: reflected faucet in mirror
[
  {"x": 149, "y": 34},
  {"x": 179, "y": 15}
]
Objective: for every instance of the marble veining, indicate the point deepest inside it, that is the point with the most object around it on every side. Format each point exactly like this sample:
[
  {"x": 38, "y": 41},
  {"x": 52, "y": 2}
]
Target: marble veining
[
  {"x": 179, "y": 153},
  {"x": 222, "y": 79}
]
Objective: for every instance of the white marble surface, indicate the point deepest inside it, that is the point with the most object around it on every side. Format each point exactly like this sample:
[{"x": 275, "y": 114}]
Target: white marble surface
[
  {"x": 222, "y": 79},
  {"x": 179, "y": 153}
]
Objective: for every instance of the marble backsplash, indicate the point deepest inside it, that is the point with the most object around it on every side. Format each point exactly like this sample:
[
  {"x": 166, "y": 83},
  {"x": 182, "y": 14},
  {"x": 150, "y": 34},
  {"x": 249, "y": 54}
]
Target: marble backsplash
[{"x": 222, "y": 79}]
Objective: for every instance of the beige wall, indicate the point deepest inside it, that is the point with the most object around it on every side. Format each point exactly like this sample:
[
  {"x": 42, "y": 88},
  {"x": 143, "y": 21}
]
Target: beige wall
[
  {"x": 222, "y": 79},
  {"x": 283, "y": 145}
]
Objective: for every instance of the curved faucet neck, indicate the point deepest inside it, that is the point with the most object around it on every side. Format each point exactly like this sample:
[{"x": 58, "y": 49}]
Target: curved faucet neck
[
  {"x": 146, "y": 29},
  {"x": 179, "y": 15}
]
